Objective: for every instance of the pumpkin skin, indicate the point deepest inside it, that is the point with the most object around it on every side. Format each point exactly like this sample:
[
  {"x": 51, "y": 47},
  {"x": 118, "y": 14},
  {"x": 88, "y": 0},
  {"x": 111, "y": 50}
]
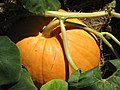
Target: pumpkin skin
[{"x": 45, "y": 59}]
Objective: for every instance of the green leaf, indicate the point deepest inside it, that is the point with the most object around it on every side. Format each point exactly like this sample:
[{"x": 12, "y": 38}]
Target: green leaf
[
  {"x": 113, "y": 4},
  {"x": 40, "y": 6},
  {"x": 92, "y": 80},
  {"x": 116, "y": 63},
  {"x": 25, "y": 82},
  {"x": 80, "y": 80},
  {"x": 55, "y": 85},
  {"x": 10, "y": 65}
]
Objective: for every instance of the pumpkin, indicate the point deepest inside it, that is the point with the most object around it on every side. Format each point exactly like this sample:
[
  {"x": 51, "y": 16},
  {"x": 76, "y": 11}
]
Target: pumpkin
[{"x": 45, "y": 58}]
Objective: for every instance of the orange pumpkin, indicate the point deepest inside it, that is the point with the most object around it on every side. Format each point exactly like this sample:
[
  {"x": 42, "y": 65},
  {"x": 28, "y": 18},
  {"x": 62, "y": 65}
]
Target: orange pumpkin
[{"x": 45, "y": 58}]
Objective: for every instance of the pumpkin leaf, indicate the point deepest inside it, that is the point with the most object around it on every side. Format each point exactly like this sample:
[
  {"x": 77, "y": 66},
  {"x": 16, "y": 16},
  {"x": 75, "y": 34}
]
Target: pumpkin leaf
[
  {"x": 10, "y": 65},
  {"x": 55, "y": 85},
  {"x": 40, "y": 6},
  {"x": 116, "y": 63},
  {"x": 92, "y": 80},
  {"x": 80, "y": 80},
  {"x": 25, "y": 82},
  {"x": 113, "y": 4},
  {"x": 12, "y": 75}
]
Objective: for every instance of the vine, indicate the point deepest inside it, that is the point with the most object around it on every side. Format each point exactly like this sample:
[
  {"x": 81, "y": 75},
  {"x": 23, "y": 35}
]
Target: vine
[{"x": 62, "y": 19}]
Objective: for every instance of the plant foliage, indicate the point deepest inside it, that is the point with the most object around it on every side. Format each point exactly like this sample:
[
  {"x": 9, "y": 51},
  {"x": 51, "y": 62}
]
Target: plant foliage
[
  {"x": 40, "y": 6},
  {"x": 92, "y": 80},
  {"x": 12, "y": 75}
]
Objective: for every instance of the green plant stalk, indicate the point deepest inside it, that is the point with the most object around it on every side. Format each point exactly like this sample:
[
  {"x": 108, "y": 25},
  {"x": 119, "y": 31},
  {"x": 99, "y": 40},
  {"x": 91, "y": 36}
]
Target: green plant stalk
[
  {"x": 114, "y": 14},
  {"x": 47, "y": 31},
  {"x": 49, "y": 28},
  {"x": 55, "y": 23},
  {"x": 98, "y": 34},
  {"x": 111, "y": 36},
  {"x": 65, "y": 43},
  {"x": 80, "y": 15},
  {"x": 75, "y": 14}
]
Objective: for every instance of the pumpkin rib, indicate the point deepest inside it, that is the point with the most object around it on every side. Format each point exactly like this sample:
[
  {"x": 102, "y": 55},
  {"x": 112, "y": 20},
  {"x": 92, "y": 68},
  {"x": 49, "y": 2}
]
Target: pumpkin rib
[
  {"x": 87, "y": 52},
  {"x": 86, "y": 60},
  {"x": 34, "y": 48},
  {"x": 82, "y": 48},
  {"x": 82, "y": 56},
  {"x": 54, "y": 58},
  {"x": 59, "y": 62},
  {"x": 66, "y": 65},
  {"x": 29, "y": 55},
  {"x": 44, "y": 61},
  {"x": 43, "y": 80}
]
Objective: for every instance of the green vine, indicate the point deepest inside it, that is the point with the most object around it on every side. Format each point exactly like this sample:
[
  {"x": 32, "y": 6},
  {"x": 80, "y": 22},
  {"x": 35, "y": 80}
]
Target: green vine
[
  {"x": 55, "y": 23},
  {"x": 111, "y": 36},
  {"x": 100, "y": 35},
  {"x": 62, "y": 20},
  {"x": 80, "y": 15},
  {"x": 65, "y": 43},
  {"x": 47, "y": 31}
]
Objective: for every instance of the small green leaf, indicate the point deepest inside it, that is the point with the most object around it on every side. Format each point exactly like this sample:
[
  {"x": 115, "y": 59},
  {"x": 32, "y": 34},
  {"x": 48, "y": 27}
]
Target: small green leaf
[
  {"x": 55, "y": 85},
  {"x": 25, "y": 82},
  {"x": 40, "y": 6},
  {"x": 113, "y": 4},
  {"x": 10, "y": 65}
]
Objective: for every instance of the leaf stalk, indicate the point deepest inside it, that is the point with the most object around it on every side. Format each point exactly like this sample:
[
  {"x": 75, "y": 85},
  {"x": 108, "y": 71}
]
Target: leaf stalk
[{"x": 66, "y": 47}]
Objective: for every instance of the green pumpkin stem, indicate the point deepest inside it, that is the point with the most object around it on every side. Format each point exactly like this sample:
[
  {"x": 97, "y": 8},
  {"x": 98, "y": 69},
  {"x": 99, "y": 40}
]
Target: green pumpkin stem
[{"x": 49, "y": 28}]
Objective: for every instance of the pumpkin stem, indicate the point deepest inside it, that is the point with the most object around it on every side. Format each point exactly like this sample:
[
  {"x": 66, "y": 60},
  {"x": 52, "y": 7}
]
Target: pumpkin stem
[
  {"x": 49, "y": 28},
  {"x": 65, "y": 43}
]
